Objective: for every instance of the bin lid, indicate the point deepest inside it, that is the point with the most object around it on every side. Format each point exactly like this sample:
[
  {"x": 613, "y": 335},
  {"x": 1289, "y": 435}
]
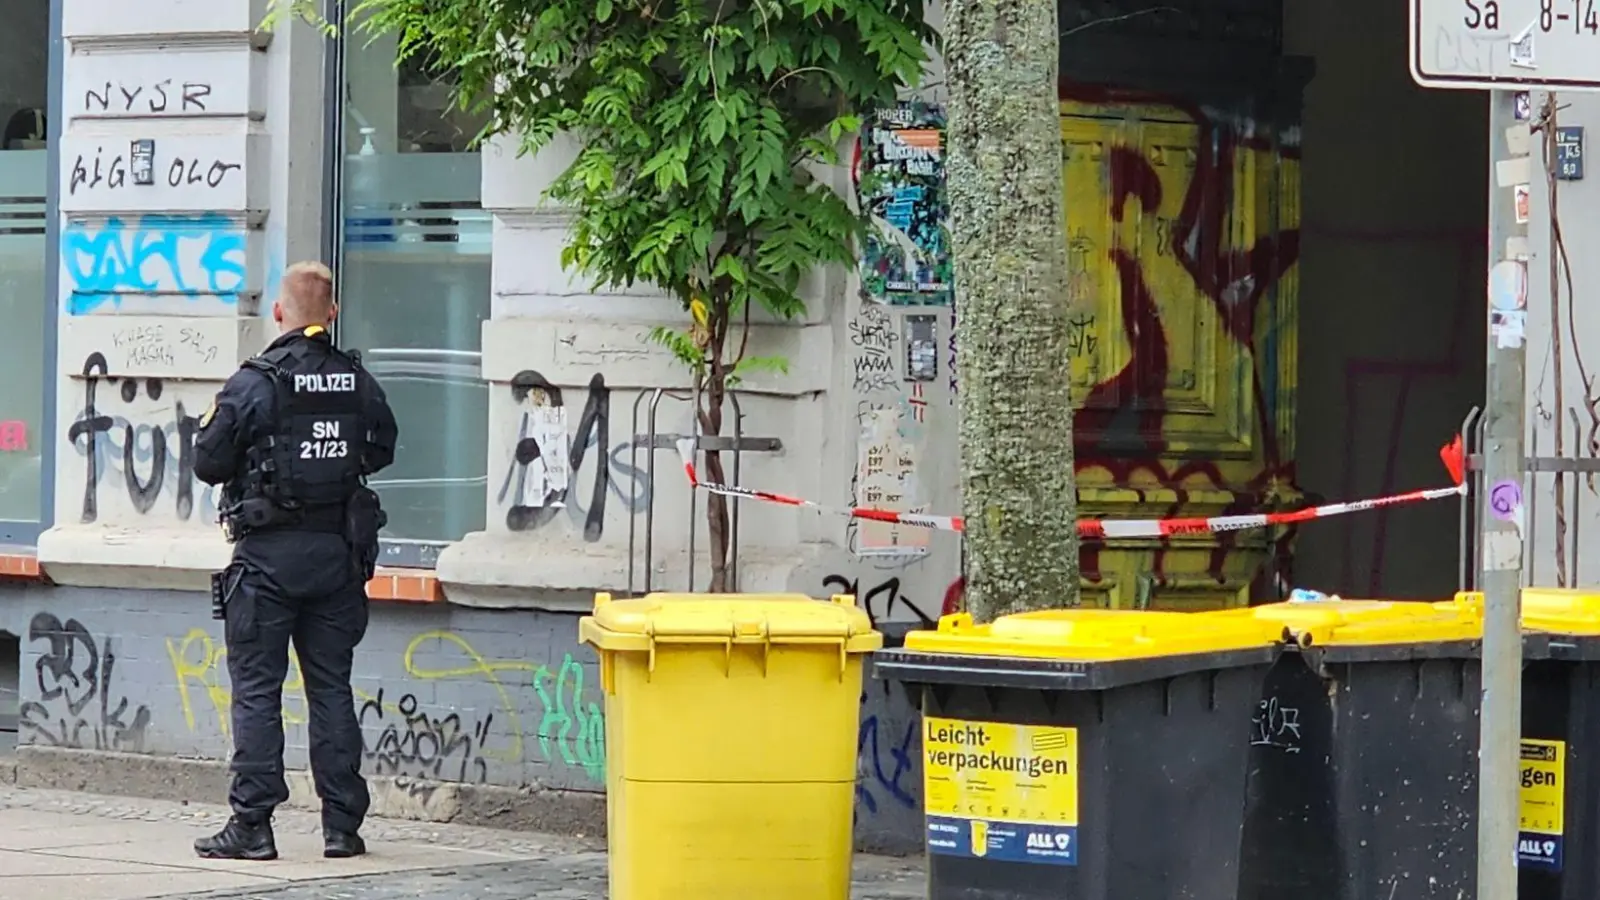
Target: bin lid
[
  {"x": 641, "y": 623},
  {"x": 1092, "y": 635},
  {"x": 1571, "y": 611},
  {"x": 1368, "y": 622}
]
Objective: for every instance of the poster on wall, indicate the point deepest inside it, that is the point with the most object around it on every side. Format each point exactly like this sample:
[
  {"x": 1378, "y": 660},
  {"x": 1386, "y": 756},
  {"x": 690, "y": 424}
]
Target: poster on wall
[
  {"x": 886, "y": 478},
  {"x": 900, "y": 185}
]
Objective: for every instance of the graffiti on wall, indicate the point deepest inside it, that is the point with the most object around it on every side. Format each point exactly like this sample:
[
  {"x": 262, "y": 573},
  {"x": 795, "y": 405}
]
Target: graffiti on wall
[
  {"x": 899, "y": 175},
  {"x": 405, "y": 734},
  {"x": 888, "y": 754},
  {"x": 110, "y": 167},
  {"x": 76, "y": 680},
  {"x": 882, "y": 599},
  {"x": 874, "y": 344},
  {"x": 135, "y": 433},
  {"x": 139, "y": 97},
  {"x": 185, "y": 255},
  {"x": 1179, "y": 316},
  {"x": 547, "y": 462}
]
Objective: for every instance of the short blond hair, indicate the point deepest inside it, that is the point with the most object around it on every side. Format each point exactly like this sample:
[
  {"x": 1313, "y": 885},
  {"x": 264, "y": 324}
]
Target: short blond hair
[{"x": 307, "y": 293}]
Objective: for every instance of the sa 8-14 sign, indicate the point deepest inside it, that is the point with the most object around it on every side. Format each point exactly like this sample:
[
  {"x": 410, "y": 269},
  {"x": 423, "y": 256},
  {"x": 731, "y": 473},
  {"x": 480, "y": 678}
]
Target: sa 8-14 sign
[{"x": 1506, "y": 44}]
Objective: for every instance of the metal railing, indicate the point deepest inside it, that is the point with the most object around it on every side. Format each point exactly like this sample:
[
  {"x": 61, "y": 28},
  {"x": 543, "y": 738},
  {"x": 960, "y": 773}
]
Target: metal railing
[{"x": 1561, "y": 480}]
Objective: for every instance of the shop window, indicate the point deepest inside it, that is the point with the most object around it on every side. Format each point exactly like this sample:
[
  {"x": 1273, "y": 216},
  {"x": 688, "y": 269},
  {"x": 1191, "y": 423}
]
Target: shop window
[
  {"x": 414, "y": 284},
  {"x": 24, "y": 301}
]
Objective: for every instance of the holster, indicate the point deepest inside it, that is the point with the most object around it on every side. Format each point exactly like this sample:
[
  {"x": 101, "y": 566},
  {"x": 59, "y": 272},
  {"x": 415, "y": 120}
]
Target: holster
[
  {"x": 223, "y": 586},
  {"x": 364, "y": 518}
]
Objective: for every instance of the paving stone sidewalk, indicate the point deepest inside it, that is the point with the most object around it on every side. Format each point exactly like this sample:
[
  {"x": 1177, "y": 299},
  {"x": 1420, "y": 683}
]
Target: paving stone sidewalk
[{"x": 57, "y": 845}]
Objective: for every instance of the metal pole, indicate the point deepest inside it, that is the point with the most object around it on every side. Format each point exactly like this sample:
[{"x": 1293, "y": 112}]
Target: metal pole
[{"x": 1502, "y": 538}]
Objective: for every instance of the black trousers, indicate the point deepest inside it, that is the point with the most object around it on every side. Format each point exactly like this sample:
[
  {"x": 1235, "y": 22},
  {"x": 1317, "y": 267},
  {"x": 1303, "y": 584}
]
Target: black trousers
[{"x": 288, "y": 595}]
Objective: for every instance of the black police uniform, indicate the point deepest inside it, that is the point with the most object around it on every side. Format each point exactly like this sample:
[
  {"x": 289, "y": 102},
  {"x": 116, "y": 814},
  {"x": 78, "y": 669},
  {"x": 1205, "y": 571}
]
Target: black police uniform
[{"x": 292, "y": 436}]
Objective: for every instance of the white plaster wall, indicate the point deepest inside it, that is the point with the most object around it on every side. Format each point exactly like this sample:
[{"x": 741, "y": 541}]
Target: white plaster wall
[
  {"x": 161, "y": 283},
  {"x": 549, "y": 321},
  {"x": 1579, "y": 333}
]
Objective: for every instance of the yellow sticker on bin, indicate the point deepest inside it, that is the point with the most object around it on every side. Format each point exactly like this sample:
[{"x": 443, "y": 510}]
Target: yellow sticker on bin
[
  {"x": 1092, "y": 635},
  {"x": 641, "y": 623},
  {"x": 1543, "y": 802},
  {"x": 1365, "y": 622},
  {"x": 994, "y": 790}
]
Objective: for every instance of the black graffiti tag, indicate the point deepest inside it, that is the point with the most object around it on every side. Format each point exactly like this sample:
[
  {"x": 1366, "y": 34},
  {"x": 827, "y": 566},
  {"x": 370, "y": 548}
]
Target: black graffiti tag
[
  {"x": 594, "y": 429},
  {"x": 414, "y": 743},
  {"x": 880, "y": 600},
  {"x": 75, "y": 679},
  {"x": 91, "y": 423}
]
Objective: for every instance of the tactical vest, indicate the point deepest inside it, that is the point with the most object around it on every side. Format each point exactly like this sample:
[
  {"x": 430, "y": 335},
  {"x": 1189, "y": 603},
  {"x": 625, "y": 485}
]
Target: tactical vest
[{"x": 311, "y": 462}]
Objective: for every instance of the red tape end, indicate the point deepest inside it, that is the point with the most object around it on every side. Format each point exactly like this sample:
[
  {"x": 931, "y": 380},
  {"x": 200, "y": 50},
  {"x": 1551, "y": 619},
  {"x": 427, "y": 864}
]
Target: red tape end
[{"x": 1454, "y": 457}]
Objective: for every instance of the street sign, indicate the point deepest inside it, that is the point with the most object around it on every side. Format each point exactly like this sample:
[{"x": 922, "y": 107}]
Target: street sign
[
  {"x": 1569, "y": 152},
  {"x": 1506, "y": 44}
]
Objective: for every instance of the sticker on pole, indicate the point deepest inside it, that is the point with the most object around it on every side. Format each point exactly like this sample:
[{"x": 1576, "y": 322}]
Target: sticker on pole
[
  {"x": 1504, "y": 44},
  {"x": 1003, "y": 792},
  {"x": 1544, "y": 785}
]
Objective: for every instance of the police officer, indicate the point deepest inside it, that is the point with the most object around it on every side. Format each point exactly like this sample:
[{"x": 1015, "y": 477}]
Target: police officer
[{"x": 292, "y": 437}]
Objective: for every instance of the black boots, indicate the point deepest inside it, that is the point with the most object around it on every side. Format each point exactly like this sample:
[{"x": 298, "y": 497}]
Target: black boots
[
  {"x": 251, "y": 840},
  {"x": 342, "y": 844},
  {"x": 239, "y": 840}
]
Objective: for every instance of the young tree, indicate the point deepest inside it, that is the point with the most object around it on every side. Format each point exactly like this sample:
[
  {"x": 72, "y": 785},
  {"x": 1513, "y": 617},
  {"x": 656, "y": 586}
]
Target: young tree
[
  {"x": 1009, "y": 242},
  {"x": 697, "y": 121}
]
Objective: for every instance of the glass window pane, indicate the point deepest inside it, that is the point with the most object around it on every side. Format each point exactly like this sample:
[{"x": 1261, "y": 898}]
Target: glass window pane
[
  {"x": 24, "y": 71},
  {"x": 414, "y": 277}
]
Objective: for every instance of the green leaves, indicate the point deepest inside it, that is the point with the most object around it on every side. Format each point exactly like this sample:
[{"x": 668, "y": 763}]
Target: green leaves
[{"x": 694, "y": 118}]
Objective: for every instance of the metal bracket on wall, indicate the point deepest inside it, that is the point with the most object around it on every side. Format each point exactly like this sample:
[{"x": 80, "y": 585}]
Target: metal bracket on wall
[
  {"x": 1471, "y": 551},
  {"x": 652, "y": 440}
]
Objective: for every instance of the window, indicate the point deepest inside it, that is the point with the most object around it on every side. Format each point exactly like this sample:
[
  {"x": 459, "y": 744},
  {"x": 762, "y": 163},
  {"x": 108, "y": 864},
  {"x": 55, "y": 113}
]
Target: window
[
  {"x": 413, "y": 263},
  {"x": 24, "y": 300}
]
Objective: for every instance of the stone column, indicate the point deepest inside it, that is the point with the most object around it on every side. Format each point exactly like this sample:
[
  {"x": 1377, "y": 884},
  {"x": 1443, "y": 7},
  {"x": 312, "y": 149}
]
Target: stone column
[
  {"x": 567, "y": 369},
  {"x": 191, "y": 152}
]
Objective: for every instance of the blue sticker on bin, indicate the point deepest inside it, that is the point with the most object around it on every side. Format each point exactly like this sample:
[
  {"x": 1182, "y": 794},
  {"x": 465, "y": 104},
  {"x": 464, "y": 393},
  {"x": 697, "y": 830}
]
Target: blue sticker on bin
[{"x": 1003, "y": 841}]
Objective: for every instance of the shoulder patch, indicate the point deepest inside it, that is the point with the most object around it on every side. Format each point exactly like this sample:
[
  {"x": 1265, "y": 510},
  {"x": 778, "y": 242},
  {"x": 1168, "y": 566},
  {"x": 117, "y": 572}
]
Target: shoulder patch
[{"x": 210, "y": 413}]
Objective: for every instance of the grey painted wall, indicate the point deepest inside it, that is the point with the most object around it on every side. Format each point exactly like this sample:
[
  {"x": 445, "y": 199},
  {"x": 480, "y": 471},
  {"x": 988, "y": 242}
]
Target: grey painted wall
[
  {"x": 505, "y": 698},
  {"x": 1392, "y": 270}
]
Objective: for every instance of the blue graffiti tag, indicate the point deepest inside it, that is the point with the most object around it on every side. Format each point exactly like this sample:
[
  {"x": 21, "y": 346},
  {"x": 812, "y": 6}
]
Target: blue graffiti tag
[
  {"x": 102, "y": 263},
  {"x": 870, "y": 759}
]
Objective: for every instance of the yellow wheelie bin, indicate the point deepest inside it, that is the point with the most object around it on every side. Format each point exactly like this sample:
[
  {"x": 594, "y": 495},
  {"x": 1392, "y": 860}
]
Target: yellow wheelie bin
[{"x": 731, "y": 725}]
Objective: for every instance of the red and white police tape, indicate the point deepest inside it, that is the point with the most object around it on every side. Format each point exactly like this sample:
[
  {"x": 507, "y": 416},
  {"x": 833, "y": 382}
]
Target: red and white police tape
[{"x": 1090, "y": 528}]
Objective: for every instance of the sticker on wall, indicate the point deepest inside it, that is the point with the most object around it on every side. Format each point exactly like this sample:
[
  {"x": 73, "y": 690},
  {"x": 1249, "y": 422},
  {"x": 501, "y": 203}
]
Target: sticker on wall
[
  {"x": 1508, "y": 301},
  {"x": 1521, "y": 201},
  {"x": 900, "y": 184},
  {"x": 886, "y": 478},
  {"x": 922, "y": 348},
  {"x": 1569, "y": 153},
  {"x": 142, "y": 156},
  {"x": 1505, "y": 503},
  {"x": 542, "y": 447}
]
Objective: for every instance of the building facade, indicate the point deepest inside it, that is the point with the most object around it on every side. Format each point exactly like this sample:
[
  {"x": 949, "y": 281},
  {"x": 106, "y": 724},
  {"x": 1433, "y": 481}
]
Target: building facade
[
  {"x": 180, "y": 160},
  {"x": 1267, "y": 308}
]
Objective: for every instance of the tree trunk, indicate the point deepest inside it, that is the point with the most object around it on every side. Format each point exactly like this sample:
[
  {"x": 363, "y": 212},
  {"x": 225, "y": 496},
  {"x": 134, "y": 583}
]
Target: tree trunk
[{"x": 1009, "y": 242}]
